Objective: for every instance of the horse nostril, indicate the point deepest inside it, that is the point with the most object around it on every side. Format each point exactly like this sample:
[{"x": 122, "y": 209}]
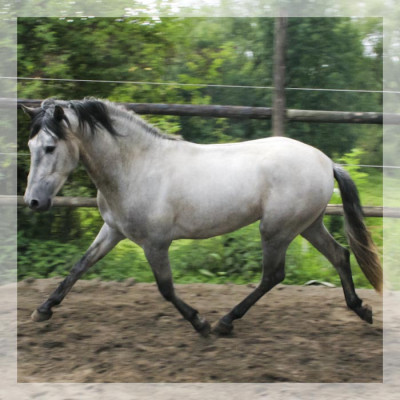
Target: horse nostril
[{"x": 34, "y": 204}]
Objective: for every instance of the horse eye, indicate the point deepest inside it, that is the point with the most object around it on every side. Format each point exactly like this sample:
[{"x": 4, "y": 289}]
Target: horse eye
[{"x": 49, "y": 149}]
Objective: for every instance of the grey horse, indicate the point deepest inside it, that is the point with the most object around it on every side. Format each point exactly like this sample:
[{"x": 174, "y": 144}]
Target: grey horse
[{"x": 154, "y": 188}]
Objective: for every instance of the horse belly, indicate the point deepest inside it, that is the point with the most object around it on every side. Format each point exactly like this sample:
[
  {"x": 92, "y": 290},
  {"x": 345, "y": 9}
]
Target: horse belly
[{"x": 217, "y": 208}]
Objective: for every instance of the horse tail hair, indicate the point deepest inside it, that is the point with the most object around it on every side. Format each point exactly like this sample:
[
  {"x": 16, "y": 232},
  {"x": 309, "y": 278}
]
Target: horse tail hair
[{"x": 357, "y": 233}]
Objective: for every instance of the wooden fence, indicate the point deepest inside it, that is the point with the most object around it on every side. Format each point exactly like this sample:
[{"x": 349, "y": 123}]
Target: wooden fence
[
  {"x": 240, "y": 112},
  {"x": 74, "y": 202}
]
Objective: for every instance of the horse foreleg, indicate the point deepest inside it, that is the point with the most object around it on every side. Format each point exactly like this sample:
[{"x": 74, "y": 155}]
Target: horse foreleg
[
  {"x": 157, "y": 256},
  {"x": 273, "y": 273},
  {"x": 104, "y": 242}
]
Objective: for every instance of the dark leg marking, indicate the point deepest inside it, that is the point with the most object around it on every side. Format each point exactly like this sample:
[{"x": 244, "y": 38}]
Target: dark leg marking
[
  {"x": 273, "y": 273},
  {"x": 159, "y": 262},
  {"x": 322, "y": 240},
  {"x": 104, "y": 242}
]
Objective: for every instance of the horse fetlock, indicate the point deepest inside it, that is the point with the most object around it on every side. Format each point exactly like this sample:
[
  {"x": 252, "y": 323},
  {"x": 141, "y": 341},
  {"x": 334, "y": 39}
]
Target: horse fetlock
[
  {"x": 365, "y": 313},
  {"x": 201, "y": 325},
  {"x": 354, "y": 303},
  {"x": 41, "y": 315}
]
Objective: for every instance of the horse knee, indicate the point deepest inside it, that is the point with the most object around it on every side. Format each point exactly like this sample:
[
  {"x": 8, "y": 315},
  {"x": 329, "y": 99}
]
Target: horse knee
[
  {"x": 341, "y": 255},
  {"x": 166, "y": 292},
  {"x": 273, "y": 279},
  {"x": 341, "y": 260},
  {"x": 280, "y": 275},
  {"x": 346, "y": 255}
]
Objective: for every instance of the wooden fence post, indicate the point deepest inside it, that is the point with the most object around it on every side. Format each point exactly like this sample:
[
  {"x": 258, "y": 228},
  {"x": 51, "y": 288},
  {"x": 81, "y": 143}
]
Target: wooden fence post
[{"x": 279, "y": 102}]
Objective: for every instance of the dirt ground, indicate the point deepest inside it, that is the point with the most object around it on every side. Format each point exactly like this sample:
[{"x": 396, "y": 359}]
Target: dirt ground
[{"x": 126, "y": 332}]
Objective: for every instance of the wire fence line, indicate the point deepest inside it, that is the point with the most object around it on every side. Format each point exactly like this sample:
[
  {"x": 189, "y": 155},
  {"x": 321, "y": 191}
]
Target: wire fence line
[
  {"x": 343, "y": 165},
  {"x": 201, "y": 85},
  {"x": 237, "y": 111},
  {"x": 165, "y": 108}
]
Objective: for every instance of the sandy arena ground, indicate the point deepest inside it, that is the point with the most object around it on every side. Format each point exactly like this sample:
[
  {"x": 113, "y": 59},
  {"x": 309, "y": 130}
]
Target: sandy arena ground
[{"x": 124, "y": 332}]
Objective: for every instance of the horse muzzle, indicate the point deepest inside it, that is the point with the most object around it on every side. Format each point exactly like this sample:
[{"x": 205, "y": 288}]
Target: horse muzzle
[{"x": 37, "y": 204}]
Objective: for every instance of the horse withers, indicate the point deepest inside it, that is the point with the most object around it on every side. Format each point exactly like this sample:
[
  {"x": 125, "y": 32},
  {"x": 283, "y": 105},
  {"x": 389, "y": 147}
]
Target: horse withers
[{"x": 154, "y": 188}]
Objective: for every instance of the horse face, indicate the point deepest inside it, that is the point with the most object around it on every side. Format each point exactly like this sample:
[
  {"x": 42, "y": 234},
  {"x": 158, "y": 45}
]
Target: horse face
[{"x": 52, "y": 160}]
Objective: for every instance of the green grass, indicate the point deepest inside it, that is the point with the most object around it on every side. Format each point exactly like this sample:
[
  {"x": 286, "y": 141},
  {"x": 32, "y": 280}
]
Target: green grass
[{"x": 235, "y": 258}]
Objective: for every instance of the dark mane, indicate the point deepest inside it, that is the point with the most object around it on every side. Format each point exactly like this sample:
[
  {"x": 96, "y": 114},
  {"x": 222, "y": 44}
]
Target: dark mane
[
  {"x": 43, "y": 119},
  {"x": 90, "y": 112}
]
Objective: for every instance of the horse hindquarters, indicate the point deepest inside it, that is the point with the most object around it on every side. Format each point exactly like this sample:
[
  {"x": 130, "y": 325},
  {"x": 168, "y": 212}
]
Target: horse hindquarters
[{"x": 294, "y": 200}]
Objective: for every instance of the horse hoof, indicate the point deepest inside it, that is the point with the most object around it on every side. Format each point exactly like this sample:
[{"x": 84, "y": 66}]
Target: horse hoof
[
  {"x": 201, "y": 325},
  {"x": 222, "y": 328},
  {"x": 39, "y": 316},
  {"x": 205, "y": 329},
  {"x": 365, "y": 313}
]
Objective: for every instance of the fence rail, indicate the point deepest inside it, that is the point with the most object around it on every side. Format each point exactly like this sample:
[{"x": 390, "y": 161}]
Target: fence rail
[
  {"x": 242, "y": 112},
  {"x": 331, "y": 209}
]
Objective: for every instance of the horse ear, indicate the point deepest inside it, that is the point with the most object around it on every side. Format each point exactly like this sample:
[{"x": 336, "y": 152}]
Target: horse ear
[
  {"x": 30, "y": 110},
  {"x": 58, "y": 113}
]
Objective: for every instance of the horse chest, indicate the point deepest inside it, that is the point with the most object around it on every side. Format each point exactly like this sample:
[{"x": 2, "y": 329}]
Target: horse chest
[{"x": 131, "y": 219}]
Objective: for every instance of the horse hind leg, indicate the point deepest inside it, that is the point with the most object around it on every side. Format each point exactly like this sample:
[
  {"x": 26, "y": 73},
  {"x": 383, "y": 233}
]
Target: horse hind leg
[
  {"x": 273, "y": 273},
  {"x": 339, "y": 257}
]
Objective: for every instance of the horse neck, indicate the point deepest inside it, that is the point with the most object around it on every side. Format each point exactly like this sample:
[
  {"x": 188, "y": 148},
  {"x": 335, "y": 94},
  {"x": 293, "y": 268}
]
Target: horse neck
[{"x": 112, "y": 160}]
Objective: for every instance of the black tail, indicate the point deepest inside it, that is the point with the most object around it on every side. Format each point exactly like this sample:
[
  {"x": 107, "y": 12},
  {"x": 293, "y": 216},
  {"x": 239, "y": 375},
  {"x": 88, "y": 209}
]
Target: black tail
[{"x": 357, "y": 233}]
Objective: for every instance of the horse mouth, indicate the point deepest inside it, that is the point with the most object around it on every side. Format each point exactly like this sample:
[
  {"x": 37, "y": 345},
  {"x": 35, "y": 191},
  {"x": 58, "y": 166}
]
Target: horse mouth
[{"x": 46, "y": 206}]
